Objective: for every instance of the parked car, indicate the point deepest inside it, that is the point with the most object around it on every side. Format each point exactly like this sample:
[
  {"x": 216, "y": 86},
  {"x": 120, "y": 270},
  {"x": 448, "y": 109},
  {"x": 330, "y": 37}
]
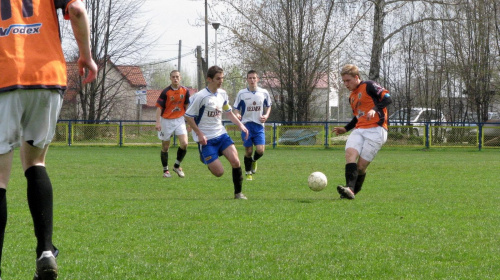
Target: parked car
[
  {"x": 298, "y": 137},
  {"x": 416, "y": 117}
]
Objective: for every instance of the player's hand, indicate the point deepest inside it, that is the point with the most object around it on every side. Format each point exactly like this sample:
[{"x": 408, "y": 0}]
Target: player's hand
[
  {"x": 202, "y": 139},
  {"x": 88, "y": 65},
  {"x": 158, "y": 127},
  {"x": 263, "y": 118},
  {"x": 238, "y": 116},
  {"x": 245, "y": 130},
  {"x": 370, "y": 114},
  {"x": 339, "y": 130}
]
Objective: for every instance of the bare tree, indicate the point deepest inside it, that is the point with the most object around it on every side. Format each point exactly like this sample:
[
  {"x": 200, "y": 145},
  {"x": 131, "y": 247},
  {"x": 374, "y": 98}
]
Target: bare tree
[
  {"x": 474, "y": 42},
  {"x": 415, "y": 12},
  {"x": 116, "y": 37},
  {"x": 289, "y": 41}
]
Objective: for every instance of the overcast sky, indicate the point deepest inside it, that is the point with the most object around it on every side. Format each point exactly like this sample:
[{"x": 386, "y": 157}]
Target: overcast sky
[{"x": 175, "y": 20}]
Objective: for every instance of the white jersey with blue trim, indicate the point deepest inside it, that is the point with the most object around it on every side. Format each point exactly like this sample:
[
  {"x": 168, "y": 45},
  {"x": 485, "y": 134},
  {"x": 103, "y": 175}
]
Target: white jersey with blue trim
[
  {"x": 206, "y": 108},
  {"x": 251, "y": 104}
]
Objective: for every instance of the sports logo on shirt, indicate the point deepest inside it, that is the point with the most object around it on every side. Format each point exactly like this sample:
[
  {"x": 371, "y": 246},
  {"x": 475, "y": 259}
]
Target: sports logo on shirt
[
  {"x": 21, "y": 29},
  {"x": 214, "y": 114}
]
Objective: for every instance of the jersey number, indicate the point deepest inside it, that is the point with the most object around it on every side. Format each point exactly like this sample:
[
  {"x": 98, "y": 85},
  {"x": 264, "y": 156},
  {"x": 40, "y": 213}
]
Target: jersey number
[{"x": 7, "y": 9}]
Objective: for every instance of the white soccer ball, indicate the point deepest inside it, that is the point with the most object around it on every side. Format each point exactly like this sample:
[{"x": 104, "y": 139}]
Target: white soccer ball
[{"x": 317, "y": 181}]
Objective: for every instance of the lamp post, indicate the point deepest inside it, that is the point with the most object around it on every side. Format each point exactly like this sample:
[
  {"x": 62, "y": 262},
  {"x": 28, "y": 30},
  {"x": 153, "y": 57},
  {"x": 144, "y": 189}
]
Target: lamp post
[{"x": 216, "y": 26}]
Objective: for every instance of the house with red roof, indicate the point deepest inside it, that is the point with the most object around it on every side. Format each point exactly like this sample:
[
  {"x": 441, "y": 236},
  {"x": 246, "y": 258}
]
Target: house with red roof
[
  {"x": 116, "y": 94},
  {"x": 113, "y": 93}
]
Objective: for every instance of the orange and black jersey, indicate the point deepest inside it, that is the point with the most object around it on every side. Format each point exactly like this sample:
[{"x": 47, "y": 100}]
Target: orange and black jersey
[
  {"x": 367, "y": 96},
  {"x": 31, "y": 55},
  {"x": 172, "y": 102}
]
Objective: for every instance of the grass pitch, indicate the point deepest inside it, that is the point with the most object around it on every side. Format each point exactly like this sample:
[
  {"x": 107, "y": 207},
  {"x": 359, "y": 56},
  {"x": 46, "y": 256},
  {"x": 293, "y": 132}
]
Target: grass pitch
[{"x": 421, "y": 215}]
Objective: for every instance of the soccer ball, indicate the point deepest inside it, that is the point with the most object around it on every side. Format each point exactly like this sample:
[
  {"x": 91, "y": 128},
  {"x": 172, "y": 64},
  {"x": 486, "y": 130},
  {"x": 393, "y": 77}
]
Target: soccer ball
[{"x": 317, "y": 181}]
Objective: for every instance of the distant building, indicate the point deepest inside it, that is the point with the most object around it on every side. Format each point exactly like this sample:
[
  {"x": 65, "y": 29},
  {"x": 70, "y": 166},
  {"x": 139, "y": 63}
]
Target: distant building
[{"x": 121, "y": 84}]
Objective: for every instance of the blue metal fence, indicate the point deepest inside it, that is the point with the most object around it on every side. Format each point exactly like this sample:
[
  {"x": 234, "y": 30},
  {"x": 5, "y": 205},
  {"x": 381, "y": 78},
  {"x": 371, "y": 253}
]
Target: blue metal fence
[{"x": 286, "y": 134}]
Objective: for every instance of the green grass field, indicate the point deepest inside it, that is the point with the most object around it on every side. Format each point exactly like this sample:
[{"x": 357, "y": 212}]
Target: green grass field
[{"x": 421, "y": 215}]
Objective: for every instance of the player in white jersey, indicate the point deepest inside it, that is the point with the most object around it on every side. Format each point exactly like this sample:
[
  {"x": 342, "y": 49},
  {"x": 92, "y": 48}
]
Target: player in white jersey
[
  {"x": 253, "y": 106},
  {"x": 204, "y": 116}
]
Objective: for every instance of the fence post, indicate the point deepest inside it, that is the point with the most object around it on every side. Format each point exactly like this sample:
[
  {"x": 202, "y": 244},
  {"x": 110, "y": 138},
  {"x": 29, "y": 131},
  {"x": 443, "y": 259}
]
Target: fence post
[
  {"x": 274, "y": 135},
  {"x": 427, "y": 135},
  {"x": 480, "y": 136},
  {"x": 326, "y": 135},
  {"x": 121, "y": 134},
  {"x": 69, "y": 133}
]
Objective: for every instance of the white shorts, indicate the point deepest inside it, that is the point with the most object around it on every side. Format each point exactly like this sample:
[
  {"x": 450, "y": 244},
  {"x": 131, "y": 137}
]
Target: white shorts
[
  {"x": 28, "y": 115},
  {"x": 367, "y": 141},
  {"x": 171, "y": 126}
]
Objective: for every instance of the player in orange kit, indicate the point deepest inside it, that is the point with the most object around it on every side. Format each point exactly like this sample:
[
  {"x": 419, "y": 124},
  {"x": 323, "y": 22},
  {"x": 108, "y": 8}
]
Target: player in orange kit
[
  {"x": 32, "y": 83},
  {"x": 369, "y": 103}
]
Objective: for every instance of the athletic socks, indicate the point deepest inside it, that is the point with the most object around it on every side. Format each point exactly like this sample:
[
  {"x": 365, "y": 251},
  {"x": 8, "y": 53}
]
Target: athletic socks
[
  {"x": 3, "y": 220},
  {"x": 351, "y": 175},
  {"x": 180, "y": 156},
  {"x": 248, "y": 164},
  {"x": 164, "y": 160},
  {"x": 40, "y": 202},
  {"x": 256, "y": 156},
  {"x": 359, "y": 183},
  {"x": 237, "y": 179}
]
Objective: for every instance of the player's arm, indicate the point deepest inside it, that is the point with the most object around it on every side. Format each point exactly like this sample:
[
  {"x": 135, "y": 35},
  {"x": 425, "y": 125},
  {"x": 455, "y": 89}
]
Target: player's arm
[
  {"x": 158, "y": 119},
  {"x": 186, "y": 100},
  {"x": 380, "y": 96},
  {"x": 264, "y": 117},
  {"x": 81, "y": 30},
  {"x": 237, "y": 113},
  {"x": 347, "y": 127},
  {"x": 237, "y": 122},
  {"x": 201, "y": 137}
]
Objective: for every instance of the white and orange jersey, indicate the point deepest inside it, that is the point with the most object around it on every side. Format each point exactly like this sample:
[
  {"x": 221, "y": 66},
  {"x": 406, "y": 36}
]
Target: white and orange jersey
[
  {"x": 367, "y": 96},
  {"x": 31, "y": 55},
  {"x": 172, "y": 102}
]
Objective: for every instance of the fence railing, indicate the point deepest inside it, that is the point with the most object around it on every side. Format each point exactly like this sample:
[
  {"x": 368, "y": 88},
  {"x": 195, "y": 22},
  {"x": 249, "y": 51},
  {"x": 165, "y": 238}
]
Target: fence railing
[{"x": 308, "y": 134}]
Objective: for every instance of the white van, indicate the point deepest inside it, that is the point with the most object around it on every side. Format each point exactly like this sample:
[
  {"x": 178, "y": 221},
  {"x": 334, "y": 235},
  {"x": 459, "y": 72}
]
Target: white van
[{"x": 417, "y": 117}]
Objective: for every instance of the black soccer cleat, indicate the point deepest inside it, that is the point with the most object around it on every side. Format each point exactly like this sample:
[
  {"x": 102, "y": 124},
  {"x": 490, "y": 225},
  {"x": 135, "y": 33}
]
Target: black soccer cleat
[
  {"x": 345, "y": 192},
  {"x": 46, "y": 267}
]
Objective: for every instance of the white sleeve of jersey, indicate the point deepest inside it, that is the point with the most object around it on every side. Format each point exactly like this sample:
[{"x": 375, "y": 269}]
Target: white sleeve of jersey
[
  {"x": 237, "y": 99},
  {"x": 194, "y": 106},
  {"x": 268, "y": 98}
]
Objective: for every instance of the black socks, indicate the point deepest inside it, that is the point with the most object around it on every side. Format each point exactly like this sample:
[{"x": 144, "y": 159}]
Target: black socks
[
  {"x": 351, "y": 175},
  {"x": 40, "y": 202},
  {"x": 237, "y": 179},
  {"x": 3, "y": 220},
  {"x": 164, "y": 160}
]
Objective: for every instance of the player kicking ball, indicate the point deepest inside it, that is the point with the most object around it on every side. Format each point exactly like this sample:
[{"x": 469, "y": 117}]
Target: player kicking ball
[{"x": 369, "y": 103}]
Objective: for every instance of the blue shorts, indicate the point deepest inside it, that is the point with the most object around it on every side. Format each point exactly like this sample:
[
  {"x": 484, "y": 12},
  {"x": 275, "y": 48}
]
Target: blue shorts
[
  {"x": 256, "y": 135},
  {"x": 214, "y": 147}
]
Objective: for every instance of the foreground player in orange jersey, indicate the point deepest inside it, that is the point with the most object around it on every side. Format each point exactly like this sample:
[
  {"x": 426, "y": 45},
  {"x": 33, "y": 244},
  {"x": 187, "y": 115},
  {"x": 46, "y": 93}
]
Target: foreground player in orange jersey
[
  {"x": 32, "y": 82},
  {"x": 369, "y": 103}
]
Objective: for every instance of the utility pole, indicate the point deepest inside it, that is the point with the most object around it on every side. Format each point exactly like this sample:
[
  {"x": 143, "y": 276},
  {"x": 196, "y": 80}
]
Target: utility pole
[
  {"x": 199, "y": 64},
  {"x": 206, "y": 37},
  {"x": 328, "y": 88},
  {"x": 216, "y": 26},
  {"x": 179, "y": 58}
]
